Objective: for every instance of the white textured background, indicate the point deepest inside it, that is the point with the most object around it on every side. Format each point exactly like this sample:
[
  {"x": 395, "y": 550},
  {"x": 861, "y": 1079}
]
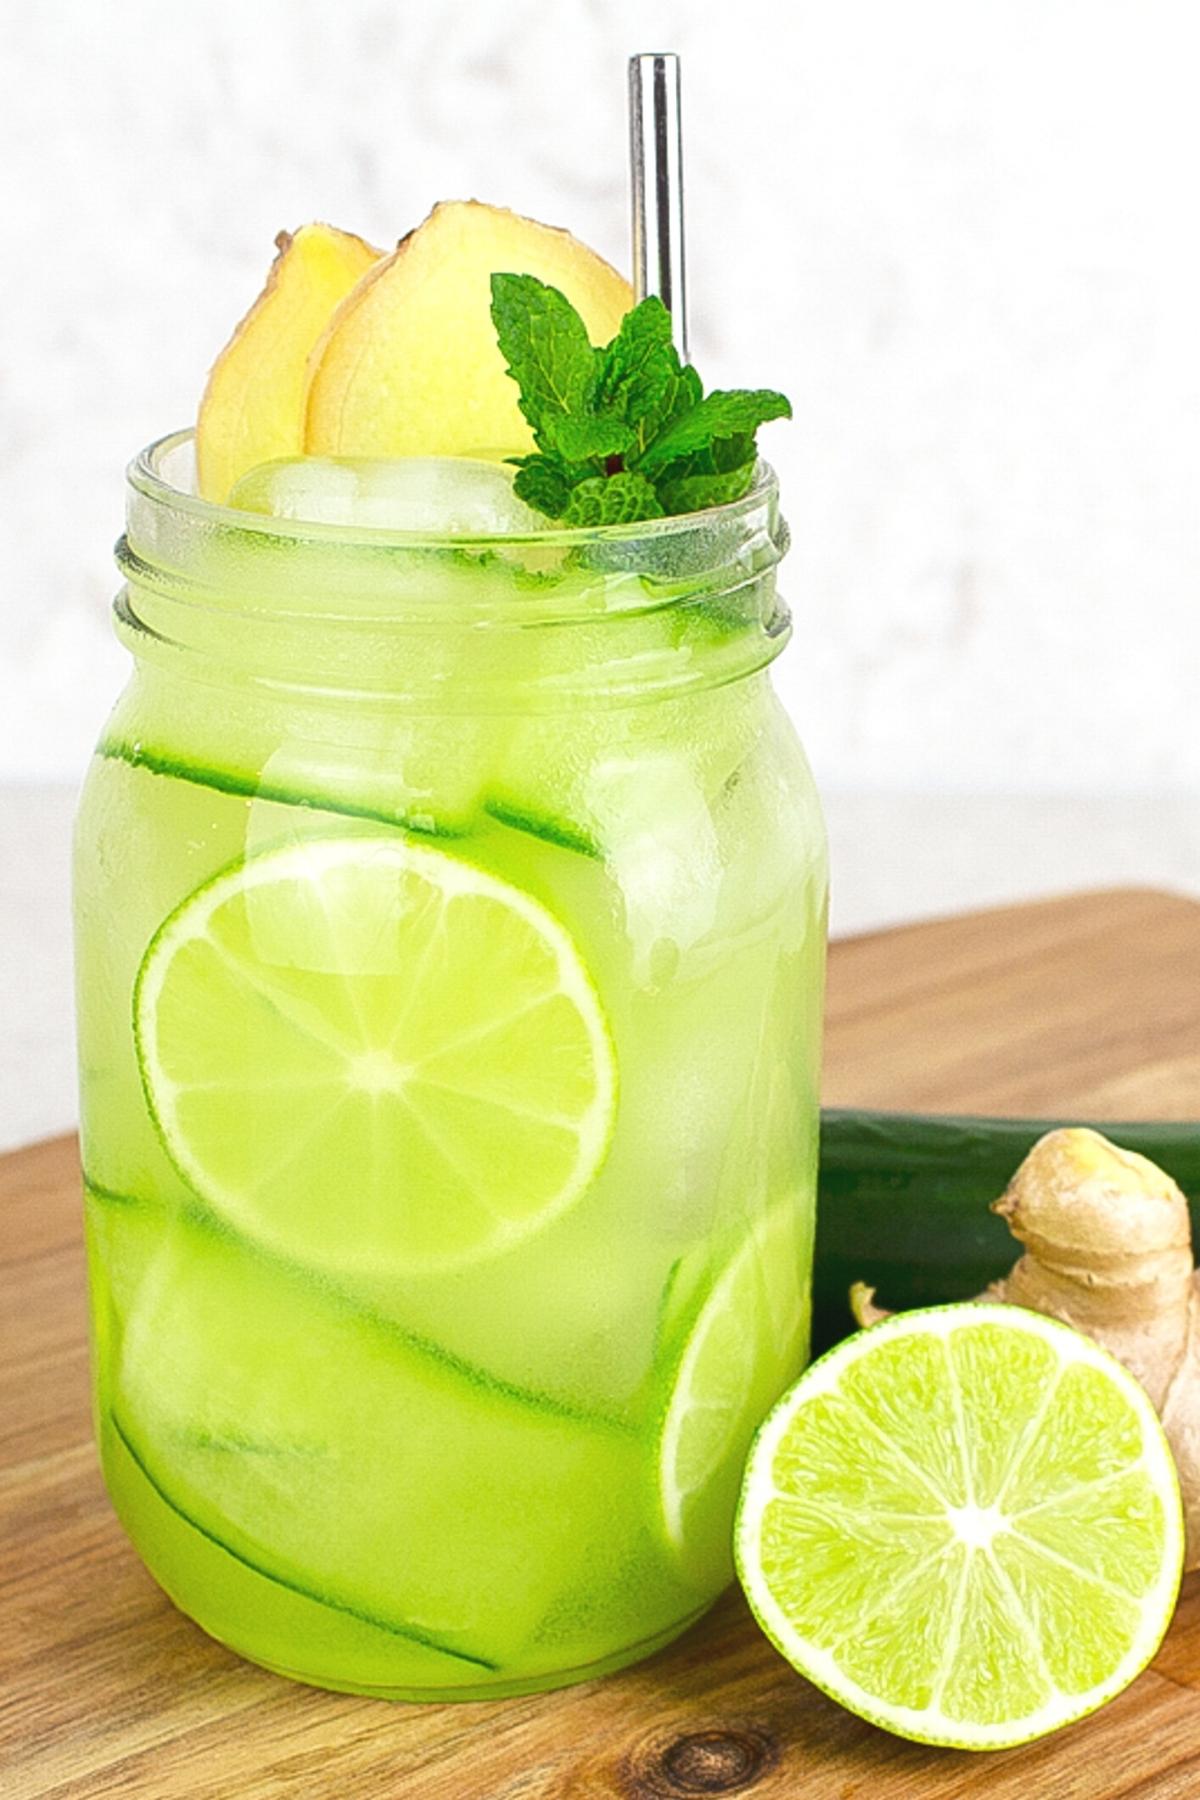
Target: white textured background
[{"x": 962, "y": 234}]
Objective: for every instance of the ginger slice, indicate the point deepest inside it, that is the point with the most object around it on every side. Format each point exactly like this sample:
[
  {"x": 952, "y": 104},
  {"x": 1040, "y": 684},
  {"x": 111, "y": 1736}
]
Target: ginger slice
[
  {"x": 410, "y": 366},
  {"x": 253, "y": 406}
]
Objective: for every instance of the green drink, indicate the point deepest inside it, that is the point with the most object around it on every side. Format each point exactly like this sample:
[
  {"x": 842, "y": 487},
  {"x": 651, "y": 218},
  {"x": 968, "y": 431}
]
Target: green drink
[
  {"x": 450, "y": 909},
  {"x": 449, "y": 1012}
]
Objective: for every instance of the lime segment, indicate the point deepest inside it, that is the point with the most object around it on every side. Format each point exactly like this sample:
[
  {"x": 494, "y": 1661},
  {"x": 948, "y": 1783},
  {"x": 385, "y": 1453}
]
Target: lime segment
[
  {"x": 368, "y": 1054},
  {"x": 965, "y": 1525}
]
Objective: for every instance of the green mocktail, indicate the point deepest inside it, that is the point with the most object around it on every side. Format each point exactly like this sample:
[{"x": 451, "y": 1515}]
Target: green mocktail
[
  {"x": 449, "y": 1082},
  {"x": 450, "y": 903}
]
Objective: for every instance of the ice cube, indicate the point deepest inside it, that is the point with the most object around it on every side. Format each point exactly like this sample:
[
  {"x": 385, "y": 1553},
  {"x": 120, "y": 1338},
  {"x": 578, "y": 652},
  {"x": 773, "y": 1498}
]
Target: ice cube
[{"x": 450, "y": 496}]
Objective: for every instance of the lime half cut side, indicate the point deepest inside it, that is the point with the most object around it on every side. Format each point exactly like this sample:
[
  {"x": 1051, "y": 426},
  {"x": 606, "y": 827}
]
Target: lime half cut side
[
  {"x": 965, "y": 1525},
  {"x": 368, "y": 1054}
]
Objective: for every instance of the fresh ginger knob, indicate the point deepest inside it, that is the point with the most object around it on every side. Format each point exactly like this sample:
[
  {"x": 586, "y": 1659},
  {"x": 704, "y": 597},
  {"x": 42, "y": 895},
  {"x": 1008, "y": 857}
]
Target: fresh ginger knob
[{"x": 1098, "y": 1214}]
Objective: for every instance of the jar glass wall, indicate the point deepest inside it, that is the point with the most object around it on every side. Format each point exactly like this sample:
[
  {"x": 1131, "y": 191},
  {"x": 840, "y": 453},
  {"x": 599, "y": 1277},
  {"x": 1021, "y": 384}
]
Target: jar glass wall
[{"x": 450, "y": 922}]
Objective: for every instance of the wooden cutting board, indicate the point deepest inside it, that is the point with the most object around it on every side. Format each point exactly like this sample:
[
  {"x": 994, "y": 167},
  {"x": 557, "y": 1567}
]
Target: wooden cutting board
[{"x": 1087, "y": 1005}]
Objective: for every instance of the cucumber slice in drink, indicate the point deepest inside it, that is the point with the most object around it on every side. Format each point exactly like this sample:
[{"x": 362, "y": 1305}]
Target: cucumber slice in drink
[
  {"x": 430, "y": 787},
  {"x": 329, "y": 1453},
  {"x": 965, "y": 1525},
  {"x": 620, "y": 778},
  {"x": 344, "y": 797},
  {"x": 367, "y": 1054},
  {"x": 291, "y": 1630},
  {"x": 124, "y": 1236},
  {"x": 133, "y": 1246}
]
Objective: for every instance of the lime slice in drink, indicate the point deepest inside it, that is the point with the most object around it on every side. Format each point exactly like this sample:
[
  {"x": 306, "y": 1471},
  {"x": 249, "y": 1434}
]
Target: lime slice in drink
[
  {"x": 964, "y": 1524},
  {"x": 368, "y": 1054},
  {"x": 747, "y": 1340}
]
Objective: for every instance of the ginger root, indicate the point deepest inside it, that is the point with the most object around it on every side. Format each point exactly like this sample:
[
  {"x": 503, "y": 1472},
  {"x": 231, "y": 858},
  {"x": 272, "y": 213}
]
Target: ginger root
[{"x": 1108, "y": 1249}]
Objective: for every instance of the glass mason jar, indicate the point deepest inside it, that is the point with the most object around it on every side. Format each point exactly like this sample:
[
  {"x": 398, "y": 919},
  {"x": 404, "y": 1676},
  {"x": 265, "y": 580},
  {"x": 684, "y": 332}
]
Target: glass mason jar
[{"x": 451, "y": 923}]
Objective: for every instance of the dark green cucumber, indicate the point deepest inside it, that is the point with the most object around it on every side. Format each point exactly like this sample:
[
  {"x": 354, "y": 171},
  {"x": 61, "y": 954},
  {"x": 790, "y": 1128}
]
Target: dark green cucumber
[{"x": 904, "y": 1201}]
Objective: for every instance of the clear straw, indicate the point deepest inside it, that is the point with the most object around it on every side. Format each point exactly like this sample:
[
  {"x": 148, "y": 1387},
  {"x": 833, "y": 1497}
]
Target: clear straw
[{"x": 656, "y": 163}]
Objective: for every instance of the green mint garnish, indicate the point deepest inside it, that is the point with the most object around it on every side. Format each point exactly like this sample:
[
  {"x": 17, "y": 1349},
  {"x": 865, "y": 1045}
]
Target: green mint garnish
[
  {"x": 619, "y": 499},
  {"x": 626, "y": 432}
]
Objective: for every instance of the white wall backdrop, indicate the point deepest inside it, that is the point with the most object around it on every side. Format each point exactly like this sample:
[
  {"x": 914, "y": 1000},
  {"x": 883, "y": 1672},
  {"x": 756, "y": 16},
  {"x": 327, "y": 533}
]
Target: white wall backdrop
[{"x": 962, "y": 236}]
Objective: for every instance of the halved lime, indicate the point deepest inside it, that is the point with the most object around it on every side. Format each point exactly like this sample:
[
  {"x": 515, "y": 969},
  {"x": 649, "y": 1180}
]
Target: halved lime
[
  {"x": 747, "y": 1340},
  {"x": 368, "y": 1054},
  {"x": 965, "y": 1525}
]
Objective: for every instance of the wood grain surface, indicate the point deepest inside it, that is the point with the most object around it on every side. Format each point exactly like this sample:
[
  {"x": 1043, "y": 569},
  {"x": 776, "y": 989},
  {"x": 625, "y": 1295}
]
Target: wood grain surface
[{"x": 1088, "y": 1005}]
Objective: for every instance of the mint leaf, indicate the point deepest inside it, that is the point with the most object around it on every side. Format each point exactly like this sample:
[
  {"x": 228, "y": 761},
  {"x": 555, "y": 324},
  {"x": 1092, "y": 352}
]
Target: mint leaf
[
  {"x": 641, "y": 376},
  {"x": 724, "y": 470},
  {"x": 692, "y": 493},
  {"x": 544, "y": 484},
  {"x": 688, "y": 394},
  {"x": 625, "y": 432},
  {"x": 620, "y": 499},
  {"x": 721, "y": 414},
  {"x": 717, "y": 458},
  {"x": 642, "y": 350},
  {"x": 549, "y": 355},
  {"x": 579, "y": 438}
]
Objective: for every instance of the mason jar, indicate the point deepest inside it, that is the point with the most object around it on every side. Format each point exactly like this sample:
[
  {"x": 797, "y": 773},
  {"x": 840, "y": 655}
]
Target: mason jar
[{"x": 450, "y": 919}]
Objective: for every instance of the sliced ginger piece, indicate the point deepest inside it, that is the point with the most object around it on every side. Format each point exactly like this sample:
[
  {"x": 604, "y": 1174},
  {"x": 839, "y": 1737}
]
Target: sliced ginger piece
[
  {"x": 253, "y": 405},
  {"x": 410, "y": 365}
]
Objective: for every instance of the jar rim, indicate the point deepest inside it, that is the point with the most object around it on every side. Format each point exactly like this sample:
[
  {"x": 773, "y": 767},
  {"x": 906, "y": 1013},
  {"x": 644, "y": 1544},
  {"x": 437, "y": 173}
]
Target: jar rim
[
  {"x": 148, "y": 477},
  {"x": 329, "y": 606}
]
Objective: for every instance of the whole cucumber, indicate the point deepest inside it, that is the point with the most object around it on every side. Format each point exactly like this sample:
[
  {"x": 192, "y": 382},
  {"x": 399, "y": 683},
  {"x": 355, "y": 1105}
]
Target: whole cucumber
[{"x": 904, "y": 1201}]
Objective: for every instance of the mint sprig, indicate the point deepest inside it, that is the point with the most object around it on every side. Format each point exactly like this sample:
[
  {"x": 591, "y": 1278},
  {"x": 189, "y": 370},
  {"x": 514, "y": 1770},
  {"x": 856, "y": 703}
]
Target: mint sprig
[{"x": 626, "y": 432}]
